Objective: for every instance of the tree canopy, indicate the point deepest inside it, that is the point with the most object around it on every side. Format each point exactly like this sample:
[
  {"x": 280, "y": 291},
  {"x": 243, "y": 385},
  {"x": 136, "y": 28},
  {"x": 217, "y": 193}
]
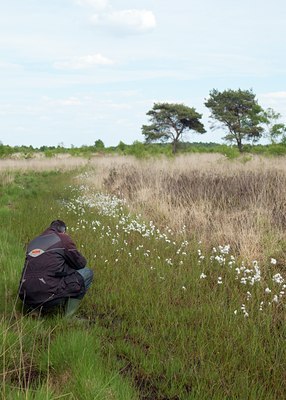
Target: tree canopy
[
  {"x": 99, "y": 145},
  {"x": 239, "y": 113},
  {"x": 274, "y": 129},
  {"x": 169, "y": 121}
]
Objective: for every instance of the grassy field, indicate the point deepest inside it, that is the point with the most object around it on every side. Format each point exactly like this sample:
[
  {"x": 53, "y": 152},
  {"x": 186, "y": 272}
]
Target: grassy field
[{"x": 183, "y": 306}]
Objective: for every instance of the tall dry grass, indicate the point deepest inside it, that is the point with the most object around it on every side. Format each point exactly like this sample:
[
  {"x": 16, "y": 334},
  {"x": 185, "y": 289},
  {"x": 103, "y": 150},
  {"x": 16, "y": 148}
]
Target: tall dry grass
[
  {"x": 63, "y": 162},
  {"x": 218, "y": 201}
]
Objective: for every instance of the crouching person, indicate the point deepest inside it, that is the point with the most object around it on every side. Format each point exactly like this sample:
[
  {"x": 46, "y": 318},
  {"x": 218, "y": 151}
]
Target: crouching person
[{"x": 54, "y": 273}]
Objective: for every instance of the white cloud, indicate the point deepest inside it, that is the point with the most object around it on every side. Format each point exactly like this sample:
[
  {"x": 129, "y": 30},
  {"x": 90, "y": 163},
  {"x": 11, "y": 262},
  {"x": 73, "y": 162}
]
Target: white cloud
[
  {"x": 70, "y": 101},
  {"x": 126, "y": 20},
  {"x": 275, "y": 95},
  {"x": 275, "y": 100},
  {"x": 83, "y": 62},
  {"x": 139, "y": 21}
]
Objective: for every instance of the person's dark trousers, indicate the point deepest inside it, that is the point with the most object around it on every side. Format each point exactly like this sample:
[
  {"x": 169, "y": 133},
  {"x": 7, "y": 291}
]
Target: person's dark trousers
[
  {"x": 87, "y": 275},
  {"x": 68, "y": 305}
]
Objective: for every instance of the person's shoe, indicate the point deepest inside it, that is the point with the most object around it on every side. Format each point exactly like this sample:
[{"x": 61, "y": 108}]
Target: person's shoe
[{"x": 35, "y": 314}]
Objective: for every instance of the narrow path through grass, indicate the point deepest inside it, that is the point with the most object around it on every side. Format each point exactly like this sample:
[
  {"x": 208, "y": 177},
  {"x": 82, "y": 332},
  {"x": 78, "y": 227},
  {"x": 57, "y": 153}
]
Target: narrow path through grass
[{"x": 46, "y": 358}]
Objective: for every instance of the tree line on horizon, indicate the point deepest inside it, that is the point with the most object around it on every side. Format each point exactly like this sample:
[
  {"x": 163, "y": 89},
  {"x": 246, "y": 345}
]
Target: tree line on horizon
[{"x": 235, "y": 111}]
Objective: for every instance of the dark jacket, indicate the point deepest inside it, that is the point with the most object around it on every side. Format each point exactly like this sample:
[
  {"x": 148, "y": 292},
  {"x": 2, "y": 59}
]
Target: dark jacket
[{"x": 50, "y": 269}]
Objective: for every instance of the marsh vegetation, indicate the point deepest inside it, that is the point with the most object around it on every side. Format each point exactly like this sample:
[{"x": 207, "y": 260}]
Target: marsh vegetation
[{"x": 188, "y": 300}]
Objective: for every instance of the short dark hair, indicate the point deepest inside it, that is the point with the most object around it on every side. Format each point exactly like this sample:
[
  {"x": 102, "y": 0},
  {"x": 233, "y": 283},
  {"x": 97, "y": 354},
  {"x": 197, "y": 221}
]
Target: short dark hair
[{"x": 59, "y": 225}]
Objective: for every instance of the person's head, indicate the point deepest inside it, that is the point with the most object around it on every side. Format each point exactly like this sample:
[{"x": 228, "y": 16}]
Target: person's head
[{"x": 59, "y": 225}]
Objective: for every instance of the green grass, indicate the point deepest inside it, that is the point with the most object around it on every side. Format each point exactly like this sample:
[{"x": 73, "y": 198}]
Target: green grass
[
  {"x": 151, "y": 321},
  {"x": 54, "y": 357}
]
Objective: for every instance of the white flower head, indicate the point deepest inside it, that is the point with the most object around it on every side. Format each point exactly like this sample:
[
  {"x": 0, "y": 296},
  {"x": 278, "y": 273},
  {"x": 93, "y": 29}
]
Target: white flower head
[
  {"x": 275, "y": 299},
  {"x": 277, "y": 278}
]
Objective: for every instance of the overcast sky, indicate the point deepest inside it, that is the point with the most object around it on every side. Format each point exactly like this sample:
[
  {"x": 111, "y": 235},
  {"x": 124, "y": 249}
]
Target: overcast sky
[{"x": 74, "y": 71}]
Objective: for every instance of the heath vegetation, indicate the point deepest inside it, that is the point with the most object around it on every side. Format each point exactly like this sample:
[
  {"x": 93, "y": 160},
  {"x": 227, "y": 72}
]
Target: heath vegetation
[
  {"x": 216, "y": 201},
  {"x": 188, "y": 300}
]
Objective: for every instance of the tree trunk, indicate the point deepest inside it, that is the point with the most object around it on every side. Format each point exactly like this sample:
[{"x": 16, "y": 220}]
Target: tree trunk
[
  {"x": 239, "y": 144},
  {"x": 174, "y": 146}
]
